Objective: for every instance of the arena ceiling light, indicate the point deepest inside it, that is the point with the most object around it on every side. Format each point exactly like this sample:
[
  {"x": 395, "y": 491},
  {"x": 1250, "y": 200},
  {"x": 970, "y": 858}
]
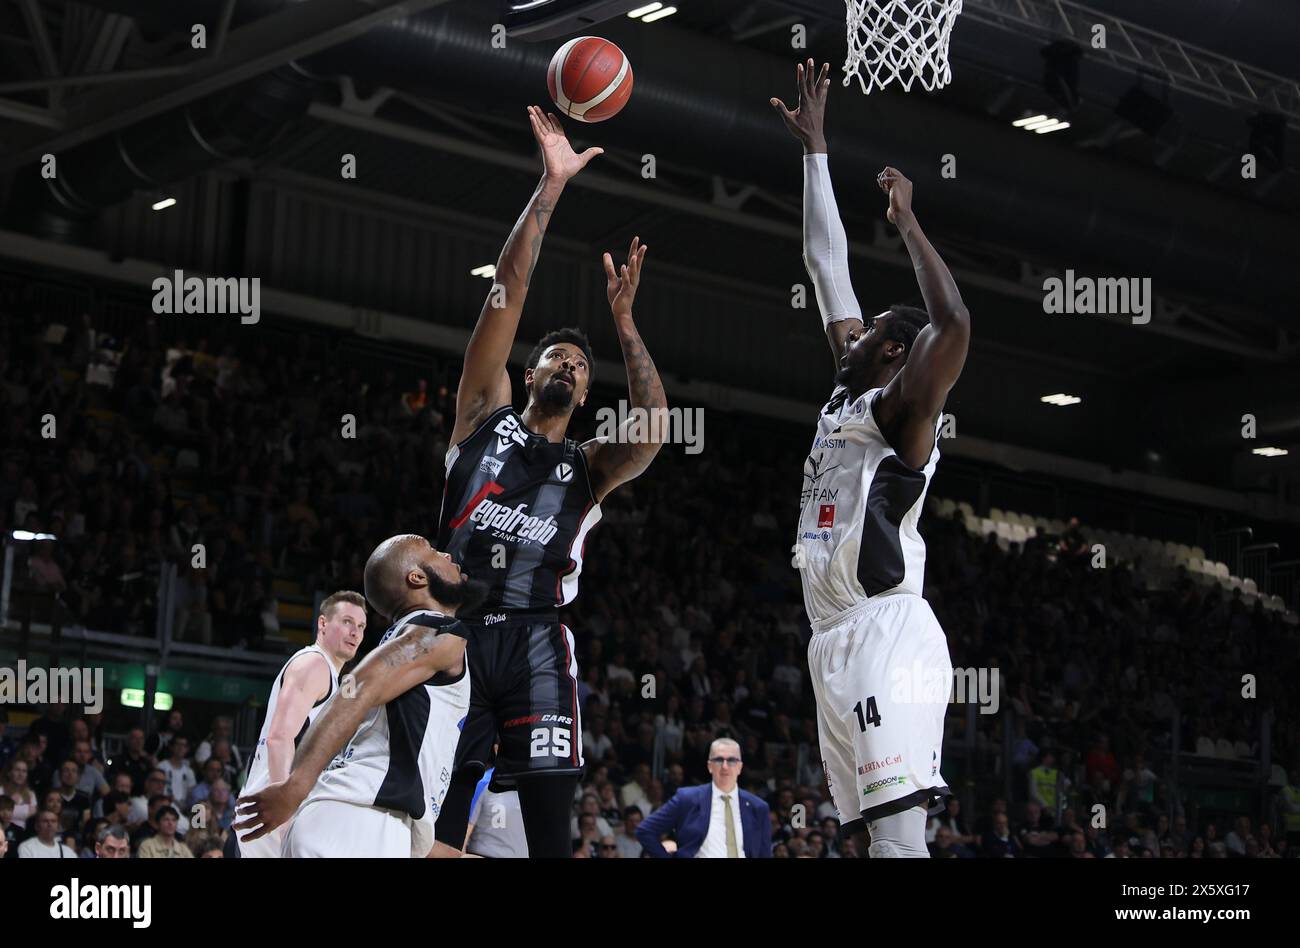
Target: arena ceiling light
[
  {"x": 26, "y": 536},
  {"x": 1040, "y": 123},
  {"x": 1060, "y": 399},
  {"x": 488, "y": 271},
  {"x": 163, "y": 204},
  {"x": 1270, "y": 452},
  {"x": 651, "y": 12}
]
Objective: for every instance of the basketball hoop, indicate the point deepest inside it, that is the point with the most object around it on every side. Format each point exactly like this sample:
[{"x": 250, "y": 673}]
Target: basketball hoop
[{"x": 900, "y": 39}]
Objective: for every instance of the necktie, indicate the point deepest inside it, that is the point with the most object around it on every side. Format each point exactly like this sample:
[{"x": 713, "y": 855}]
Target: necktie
[{"x": 733, "y": 852}]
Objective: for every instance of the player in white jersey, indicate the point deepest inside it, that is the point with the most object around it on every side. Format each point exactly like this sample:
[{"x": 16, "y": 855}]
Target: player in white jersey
[
  {"x": 304, "y": 684},
  {"x": 878, "y": 657},
  {"x": 389, "y": 734},
  {"x": 496, "y": 823}
]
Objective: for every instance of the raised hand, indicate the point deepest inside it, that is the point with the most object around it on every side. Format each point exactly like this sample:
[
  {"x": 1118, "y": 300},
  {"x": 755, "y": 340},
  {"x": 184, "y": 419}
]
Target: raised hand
[
  {"x": 806, "y": 122},
  {"x": 621, "y": 285},
  {"x": 899, "y": 189},
  {"x": 558, "y": 156}
]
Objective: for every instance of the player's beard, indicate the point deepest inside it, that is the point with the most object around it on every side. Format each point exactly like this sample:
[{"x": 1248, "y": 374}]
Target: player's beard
[
  {"x": 464, "y": 595},
  {"x": 555, "y": 394}
]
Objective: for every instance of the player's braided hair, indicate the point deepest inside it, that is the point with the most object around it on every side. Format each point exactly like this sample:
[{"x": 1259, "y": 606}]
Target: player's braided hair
[
  {"x": 571, "y": 335},
  {"x": 905, "y": 324}
]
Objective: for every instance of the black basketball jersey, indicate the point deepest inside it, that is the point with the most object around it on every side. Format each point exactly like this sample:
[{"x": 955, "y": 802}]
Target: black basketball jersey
[{"x": 515, "y": 513}]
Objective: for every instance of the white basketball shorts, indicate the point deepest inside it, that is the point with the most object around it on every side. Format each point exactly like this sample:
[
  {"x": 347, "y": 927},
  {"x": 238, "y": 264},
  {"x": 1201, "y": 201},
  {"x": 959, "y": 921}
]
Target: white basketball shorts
[
  {"x": 265, "y": 847},
  {"x": 882, "y": 677},
  {"x": 332, "y": 829}
]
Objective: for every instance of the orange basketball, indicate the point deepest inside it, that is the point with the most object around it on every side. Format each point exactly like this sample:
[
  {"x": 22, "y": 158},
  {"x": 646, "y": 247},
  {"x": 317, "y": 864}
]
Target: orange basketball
[{"x": 590, "y": 79}]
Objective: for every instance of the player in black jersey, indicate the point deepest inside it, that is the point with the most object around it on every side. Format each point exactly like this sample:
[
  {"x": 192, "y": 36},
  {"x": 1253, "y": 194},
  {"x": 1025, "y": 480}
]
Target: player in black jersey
[{"x": 519, "y": 501}]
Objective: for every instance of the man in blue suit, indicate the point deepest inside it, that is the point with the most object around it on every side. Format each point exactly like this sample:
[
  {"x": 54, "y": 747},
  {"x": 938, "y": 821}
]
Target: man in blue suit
[{"x": 715, "y": 821}]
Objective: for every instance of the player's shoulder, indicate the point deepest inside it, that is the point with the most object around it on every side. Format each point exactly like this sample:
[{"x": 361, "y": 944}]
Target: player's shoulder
[
  {"x": 489, "y": 419},
  {"x": 305, "y": 664}
]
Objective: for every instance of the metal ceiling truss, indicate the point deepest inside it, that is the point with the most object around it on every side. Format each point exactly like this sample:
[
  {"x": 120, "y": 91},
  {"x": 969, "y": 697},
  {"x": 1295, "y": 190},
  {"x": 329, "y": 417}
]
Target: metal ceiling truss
[
  {"x": 1185, "y": 67},
  {"x": 298, "y": 30}
]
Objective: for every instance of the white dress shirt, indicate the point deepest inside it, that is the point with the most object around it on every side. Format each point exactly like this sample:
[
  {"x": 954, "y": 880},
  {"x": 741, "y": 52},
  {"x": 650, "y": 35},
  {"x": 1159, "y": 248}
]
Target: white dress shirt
[{"x": 715, "y": 843}]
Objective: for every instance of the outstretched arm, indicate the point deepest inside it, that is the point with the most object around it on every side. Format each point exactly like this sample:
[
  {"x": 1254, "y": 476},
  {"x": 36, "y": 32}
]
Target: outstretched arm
[
  {"x": 484, "y": 385},
  {"x": 911, "y": 402},
  {"x": 825, "y": 244},
  {"x": 408, "y": 658},
  {"x": 615, "y": 462}
]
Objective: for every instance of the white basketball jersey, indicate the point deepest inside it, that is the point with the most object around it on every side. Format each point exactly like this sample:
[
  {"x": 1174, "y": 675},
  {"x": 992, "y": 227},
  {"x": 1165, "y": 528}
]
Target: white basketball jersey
[
  {"x": 402, "y": 754},
  {"x": 858, "y": 512},
  {"x": 259, "y": 768}
]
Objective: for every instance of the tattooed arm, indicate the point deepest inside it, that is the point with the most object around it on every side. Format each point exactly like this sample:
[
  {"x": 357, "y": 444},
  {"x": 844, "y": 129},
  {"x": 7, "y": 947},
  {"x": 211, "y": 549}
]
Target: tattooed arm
[
  {"x": 484, "y": 385},
  {"x": 408, "y": 658},
  {"x": 616, "y": 462}
]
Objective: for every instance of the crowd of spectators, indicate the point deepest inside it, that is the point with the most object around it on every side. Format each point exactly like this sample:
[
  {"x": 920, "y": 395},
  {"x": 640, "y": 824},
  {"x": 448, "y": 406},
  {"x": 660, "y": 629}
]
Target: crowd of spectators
[
  {"x": 62, "y": 795},
  {"x": 287, "y": 456}
]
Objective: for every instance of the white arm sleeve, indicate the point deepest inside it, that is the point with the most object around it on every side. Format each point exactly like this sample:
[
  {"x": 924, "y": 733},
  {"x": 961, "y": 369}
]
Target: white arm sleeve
[{"x": 825, "y": 245}]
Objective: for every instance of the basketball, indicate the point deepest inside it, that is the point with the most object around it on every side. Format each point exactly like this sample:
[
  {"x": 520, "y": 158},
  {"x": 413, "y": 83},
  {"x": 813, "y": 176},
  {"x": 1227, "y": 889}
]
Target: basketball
[{"x": 589, "y": 79}]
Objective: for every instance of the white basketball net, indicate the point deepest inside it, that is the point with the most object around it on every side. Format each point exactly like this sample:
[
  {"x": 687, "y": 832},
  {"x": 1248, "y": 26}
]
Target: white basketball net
[{"x": 900, "y": 39}]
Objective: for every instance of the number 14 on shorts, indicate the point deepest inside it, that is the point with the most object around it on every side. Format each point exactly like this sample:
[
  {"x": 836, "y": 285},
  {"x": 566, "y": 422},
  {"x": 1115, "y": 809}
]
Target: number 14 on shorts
[{"x": 867, "y": 713}]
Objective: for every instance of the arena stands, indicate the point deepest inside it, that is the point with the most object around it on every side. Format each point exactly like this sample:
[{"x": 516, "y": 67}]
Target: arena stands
[{"x": 1110, "y": 682}]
